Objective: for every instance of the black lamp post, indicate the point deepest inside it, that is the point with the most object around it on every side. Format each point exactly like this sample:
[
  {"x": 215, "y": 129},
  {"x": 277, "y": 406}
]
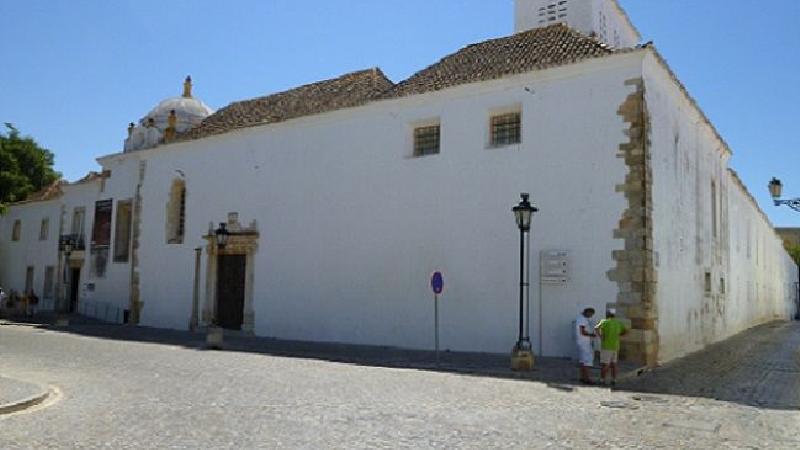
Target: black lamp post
[
  {"x": 66, "y": 247},
  {"x": 775, "y": 190},
  {"x": 523, "y": 213},
  {"x": 222, "y": 235}
]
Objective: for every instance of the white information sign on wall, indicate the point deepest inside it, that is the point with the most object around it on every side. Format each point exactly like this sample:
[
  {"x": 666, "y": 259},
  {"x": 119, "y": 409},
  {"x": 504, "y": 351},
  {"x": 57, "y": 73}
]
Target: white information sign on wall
[{"x": 554, "y": 267}]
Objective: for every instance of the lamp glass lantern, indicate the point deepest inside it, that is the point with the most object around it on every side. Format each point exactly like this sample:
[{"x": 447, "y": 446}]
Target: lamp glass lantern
[
  {"x": 222, "y": 235},
  {"x": 775, "y": 188},
  {"x": 523, "y": 213}
]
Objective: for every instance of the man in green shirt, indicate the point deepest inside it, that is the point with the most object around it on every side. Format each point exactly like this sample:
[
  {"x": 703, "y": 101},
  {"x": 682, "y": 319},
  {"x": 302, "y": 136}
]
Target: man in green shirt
[{"x": 610, "y": 330}]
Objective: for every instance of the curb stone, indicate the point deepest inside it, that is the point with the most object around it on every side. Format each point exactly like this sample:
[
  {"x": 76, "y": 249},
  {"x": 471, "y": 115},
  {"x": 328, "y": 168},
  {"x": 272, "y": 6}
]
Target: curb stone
[{"x": 26, "y": 402}]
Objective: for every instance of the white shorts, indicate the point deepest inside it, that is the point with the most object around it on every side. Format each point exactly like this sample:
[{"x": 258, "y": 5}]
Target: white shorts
[
  {"x": 608, "y": 357},
  {"x": 585, "y": 355}
]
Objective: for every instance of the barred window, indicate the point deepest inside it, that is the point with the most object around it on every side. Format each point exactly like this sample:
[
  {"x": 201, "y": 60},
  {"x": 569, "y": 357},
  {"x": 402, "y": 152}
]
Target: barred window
[
  {"x": 176, "y": 212},
  {"x": 426, "y": 140},
  {"x": 506, "y": 129}
]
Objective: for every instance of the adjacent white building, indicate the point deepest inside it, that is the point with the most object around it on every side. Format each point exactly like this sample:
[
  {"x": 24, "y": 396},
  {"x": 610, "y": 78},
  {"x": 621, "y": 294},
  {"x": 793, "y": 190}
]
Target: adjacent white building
[{"x": 344, "y": 195}]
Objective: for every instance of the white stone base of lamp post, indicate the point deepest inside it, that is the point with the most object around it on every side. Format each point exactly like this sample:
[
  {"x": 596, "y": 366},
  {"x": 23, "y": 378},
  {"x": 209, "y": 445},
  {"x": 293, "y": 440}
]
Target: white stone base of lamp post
[{"x": 214, "y": 338}]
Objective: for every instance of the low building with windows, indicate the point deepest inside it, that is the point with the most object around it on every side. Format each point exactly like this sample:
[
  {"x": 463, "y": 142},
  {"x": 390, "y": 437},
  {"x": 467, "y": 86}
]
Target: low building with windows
[{"x": 342, "y": 196}]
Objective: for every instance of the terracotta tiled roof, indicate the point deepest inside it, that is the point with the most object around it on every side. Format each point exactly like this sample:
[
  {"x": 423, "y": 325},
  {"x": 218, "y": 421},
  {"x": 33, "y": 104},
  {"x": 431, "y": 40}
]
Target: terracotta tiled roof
[
  {"x": 47, "y": 193},
  {"x": 523, "y": 52},
  {"x": 536, "y": 49},
  {"x": 349, "y": 90}
]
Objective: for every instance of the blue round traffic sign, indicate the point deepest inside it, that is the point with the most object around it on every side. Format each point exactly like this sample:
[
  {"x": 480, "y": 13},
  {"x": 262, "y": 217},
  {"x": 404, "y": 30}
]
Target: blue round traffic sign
[{"x": 437, "y": 282}]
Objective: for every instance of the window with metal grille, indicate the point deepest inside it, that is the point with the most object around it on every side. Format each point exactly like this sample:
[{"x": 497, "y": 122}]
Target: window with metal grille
[
  {"x": 553, "y": 12},
  {"x": 506, "y": 129},
  {"x": 176, "y": 212},
  {"x": 182, "y": 214},
  {"x": 426, "y": 140}
]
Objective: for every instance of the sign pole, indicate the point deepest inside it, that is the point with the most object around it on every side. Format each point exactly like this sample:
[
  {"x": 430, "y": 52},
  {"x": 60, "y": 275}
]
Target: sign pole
[
  {"x": 436, "y": 325},
  {"x": 437, "y": 285}
]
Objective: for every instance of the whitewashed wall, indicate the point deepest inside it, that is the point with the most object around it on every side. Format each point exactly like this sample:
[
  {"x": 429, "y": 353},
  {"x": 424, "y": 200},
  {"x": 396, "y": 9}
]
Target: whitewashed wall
[
  {"x": 97, "y": 295},
  {"x": 16, "y": 256},
  {"x": 101, "y": 296},
  {"x": 352, "y": 225},
  {"x": 746, "y": 253},
  {"x": 111, "y": 293}
]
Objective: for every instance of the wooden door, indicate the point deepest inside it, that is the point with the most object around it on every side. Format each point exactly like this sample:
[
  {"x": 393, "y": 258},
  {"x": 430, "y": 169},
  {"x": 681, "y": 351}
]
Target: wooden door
[{"x": 230, "y": 291}]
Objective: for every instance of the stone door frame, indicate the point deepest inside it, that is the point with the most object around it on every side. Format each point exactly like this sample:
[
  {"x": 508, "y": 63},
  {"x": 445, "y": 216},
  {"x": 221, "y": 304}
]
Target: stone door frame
[{"x": 241, "y": 241}]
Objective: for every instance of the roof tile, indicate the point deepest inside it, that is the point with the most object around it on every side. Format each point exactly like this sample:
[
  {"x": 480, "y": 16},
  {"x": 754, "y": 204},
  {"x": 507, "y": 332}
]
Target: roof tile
[
  {"x": 535, "y": 49},
  {"x": 349, "y": 90}
]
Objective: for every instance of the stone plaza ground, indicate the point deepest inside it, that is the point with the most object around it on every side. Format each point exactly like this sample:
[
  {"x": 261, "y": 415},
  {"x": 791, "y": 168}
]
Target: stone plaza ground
[{"x": 124, "y": 387}]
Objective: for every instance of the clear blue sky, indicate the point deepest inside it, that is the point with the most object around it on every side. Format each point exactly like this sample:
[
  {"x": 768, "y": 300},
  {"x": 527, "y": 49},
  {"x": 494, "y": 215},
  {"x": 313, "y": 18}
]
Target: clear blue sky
[{"x": 74, "y": 73}]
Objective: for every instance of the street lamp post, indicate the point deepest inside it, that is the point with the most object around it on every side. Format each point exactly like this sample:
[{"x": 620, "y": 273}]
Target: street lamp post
[
  {"x": 63, "y": 308},
  {"x": 215, "y": 335},
  {"x": 776, "y": 190},
  {"x": 521, "y": 355}
]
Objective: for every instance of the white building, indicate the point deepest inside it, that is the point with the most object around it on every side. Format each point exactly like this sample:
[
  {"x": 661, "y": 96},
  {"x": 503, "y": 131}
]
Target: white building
[{"x": 344, "y": 195}]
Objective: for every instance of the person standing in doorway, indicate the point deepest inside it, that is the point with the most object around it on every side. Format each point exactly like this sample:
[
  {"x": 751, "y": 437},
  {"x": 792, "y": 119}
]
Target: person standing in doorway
[
  {"x": 610, "y": 330},
  {"x": 583, "y": 338}
]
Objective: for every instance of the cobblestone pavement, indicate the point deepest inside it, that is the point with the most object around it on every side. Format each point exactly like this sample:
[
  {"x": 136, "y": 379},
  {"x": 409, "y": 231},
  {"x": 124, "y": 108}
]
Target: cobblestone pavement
[
  {"x": 123, "y": 394},
  {"x": 760, "y": 367}
]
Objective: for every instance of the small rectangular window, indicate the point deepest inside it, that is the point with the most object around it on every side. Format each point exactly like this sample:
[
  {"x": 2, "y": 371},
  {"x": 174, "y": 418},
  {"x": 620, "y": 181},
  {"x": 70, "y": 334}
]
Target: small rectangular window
[
  {"x": 426, "y": 140},
  {"x": 16, "y": 231},
  {"x": 722, "y": 285},
  {"x": 43, "y": 230},
  {"x": 122, "y": 231},
  {"x": 47, "y": 290},
  {"x": 506, "y": 129},
  {"x": 713, "y": 209},
  {"x": 708, "y": 283},
  {"x": 78, "y": 215},
  {"x": 29, "y": 279}
]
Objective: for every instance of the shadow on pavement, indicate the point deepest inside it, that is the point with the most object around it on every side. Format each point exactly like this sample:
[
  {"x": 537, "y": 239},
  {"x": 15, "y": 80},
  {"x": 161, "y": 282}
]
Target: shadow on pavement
[
  {"x": 759, "y": 367},
  {"x": 558, "y": 373}
]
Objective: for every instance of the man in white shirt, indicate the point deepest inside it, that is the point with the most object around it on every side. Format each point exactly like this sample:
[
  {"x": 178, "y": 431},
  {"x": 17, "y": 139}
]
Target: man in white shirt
[{"x": 583, "y": 338}]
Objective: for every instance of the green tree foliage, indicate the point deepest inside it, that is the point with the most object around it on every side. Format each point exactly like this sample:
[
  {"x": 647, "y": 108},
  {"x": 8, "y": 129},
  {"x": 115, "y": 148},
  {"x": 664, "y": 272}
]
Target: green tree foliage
[
  {"x": 794, "y": 252},
  {"x": 25, "y": 167}
]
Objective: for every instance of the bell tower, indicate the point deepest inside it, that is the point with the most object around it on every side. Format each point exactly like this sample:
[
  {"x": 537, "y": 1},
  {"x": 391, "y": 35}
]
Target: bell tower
[{"x": 603, "y": 19}]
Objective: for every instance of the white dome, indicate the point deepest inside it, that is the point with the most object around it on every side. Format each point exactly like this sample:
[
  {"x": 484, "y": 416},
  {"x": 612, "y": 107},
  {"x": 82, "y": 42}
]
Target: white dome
[{"x": 189, "y": 111}]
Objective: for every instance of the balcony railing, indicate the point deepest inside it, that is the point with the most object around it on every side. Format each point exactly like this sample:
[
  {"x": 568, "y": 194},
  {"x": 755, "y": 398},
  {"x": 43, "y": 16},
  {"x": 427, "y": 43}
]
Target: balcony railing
[{"x": 76, "y": 240}]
